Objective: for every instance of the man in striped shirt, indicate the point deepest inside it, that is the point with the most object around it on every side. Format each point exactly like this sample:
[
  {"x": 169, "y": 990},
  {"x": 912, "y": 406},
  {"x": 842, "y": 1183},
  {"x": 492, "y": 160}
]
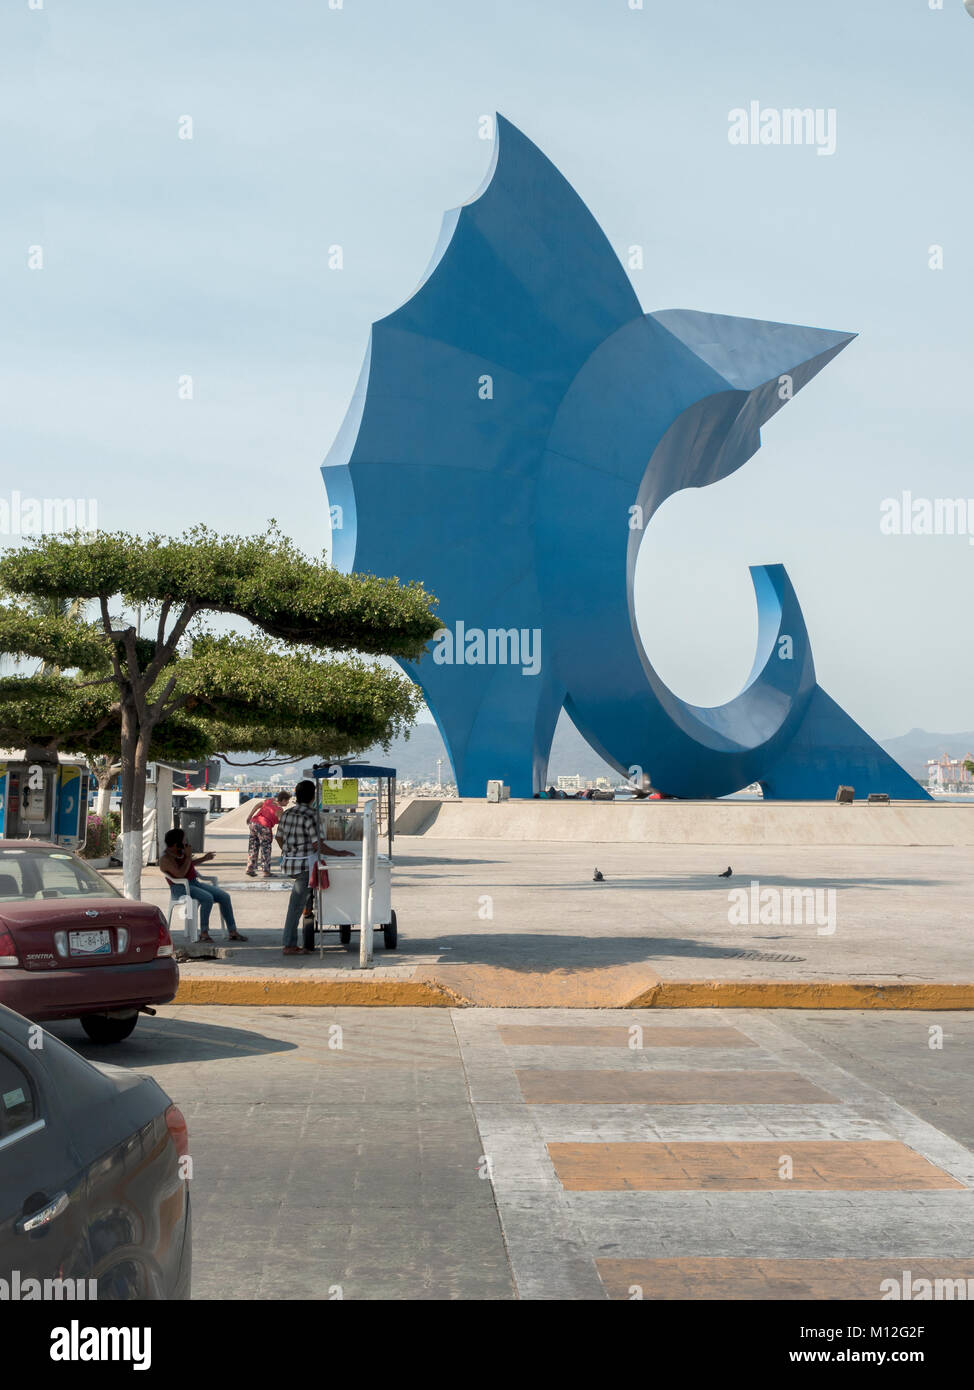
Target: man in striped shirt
[{"x": 298, "y": 836}]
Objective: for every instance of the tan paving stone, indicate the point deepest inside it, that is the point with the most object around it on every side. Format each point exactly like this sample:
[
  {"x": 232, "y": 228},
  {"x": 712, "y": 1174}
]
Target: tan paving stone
[
  {"x": 671, "y": 1087},
  {"x": 608, "y": 1035},
  {"x": 870, "y": 1166},
  {"x": 757, "y": 1279}
]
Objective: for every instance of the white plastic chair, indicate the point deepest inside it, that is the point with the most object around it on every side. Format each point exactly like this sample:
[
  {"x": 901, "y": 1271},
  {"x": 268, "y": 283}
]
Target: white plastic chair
[{"x": 179, "y": 897}]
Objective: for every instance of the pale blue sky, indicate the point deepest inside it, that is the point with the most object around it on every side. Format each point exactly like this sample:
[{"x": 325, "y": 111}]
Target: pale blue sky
[{"x": 359, "y": 126}]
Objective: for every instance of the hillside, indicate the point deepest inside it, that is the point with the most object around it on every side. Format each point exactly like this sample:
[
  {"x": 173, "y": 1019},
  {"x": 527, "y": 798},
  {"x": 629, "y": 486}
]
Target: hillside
[
  {"x": 913, "y": 749},
  {"x": 415, "y": 757}
]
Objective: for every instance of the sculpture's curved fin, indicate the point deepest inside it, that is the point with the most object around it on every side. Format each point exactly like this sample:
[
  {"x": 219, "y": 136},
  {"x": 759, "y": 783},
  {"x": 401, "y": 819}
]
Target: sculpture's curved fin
[
  {"x": 523, "y": 275},
  {"x": 464, "y": 378},
  {"x": 337, "y": 476},
  {"x": 778, "y": 686},
  {"x": 783, "y": 643}
]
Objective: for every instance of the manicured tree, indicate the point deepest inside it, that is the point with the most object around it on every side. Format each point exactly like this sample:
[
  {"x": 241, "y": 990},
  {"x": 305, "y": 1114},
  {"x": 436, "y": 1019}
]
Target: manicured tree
[
  {"x": 45, "y": 714},
  {"x": 162, "y": 689},
  {"x": 53, "y": 716}
]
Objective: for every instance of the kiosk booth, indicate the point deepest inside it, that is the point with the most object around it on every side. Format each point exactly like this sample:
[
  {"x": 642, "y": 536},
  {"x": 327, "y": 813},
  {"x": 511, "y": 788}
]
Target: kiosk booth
[{"x": 44, "y": 798}]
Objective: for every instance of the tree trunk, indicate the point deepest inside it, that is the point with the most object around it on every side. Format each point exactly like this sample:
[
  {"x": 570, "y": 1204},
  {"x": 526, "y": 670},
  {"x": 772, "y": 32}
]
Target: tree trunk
[
  {"x": 135, "y": 747},
  {"x": 104, "y": 772}
]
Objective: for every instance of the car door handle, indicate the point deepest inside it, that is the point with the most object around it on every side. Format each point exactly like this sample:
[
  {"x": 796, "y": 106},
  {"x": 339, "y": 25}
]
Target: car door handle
[{"x": 45, "y": 1215}]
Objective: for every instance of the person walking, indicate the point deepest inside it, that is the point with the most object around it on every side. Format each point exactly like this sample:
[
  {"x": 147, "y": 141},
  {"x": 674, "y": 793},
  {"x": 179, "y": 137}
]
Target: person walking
[
  {"x": 298, "y": 837},
  {"x": 263, "y": 817},
  {"x": 179, "y": 866}
]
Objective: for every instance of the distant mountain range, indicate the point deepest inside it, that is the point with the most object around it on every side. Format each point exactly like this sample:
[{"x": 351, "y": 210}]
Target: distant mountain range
[
  {"x": 414, "y": 758},
  {"x": 913, "y": 749}
]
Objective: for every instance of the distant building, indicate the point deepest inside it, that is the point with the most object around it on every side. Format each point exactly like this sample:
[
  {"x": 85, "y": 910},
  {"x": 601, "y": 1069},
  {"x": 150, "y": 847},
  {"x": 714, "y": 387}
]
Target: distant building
[
  {"x": 569, "y": 784},
  {"x": 949, "y": 774},
  {"x": 196, "y": 776}
]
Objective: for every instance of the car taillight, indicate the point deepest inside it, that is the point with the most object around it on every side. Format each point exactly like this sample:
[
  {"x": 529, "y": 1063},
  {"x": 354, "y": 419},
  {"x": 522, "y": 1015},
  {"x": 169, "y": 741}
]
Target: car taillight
[
  {"x": 164, "y": 940},
  {"x": 178, "y": 1132},
  {"x": 8, "y": 951},
  {"x": 122, "y": 940}
]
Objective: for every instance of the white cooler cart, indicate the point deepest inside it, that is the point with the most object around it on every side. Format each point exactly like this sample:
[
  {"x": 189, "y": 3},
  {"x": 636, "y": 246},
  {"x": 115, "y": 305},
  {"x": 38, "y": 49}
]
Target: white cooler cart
[{"x": 340, "y": 824}]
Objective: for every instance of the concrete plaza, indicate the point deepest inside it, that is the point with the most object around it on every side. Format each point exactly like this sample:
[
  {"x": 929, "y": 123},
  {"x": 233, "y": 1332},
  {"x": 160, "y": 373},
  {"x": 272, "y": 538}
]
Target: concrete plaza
[{"x": 522, "y": 923}]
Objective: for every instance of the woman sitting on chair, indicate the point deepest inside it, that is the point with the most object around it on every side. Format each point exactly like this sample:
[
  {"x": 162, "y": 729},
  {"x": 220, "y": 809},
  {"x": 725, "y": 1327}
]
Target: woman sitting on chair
[{"x": 179, "y": 866}]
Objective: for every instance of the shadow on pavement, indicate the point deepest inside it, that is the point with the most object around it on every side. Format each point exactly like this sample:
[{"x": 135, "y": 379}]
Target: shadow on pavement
[
  {"x": 162, "y": 1040},
  {"x": 549, "y": 951},
  {"x": 703, "y": 882}
]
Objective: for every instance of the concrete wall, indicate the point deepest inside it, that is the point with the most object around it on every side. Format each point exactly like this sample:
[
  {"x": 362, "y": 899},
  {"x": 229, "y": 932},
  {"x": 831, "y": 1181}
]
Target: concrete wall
[{"x": 690, "y": 822}]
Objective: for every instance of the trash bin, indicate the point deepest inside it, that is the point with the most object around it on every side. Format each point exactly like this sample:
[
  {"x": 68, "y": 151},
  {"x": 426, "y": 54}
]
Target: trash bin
[{"x": 192, "y": 822}]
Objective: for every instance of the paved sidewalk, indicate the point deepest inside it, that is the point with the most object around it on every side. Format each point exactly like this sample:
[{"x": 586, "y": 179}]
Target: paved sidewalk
[
  {"x": 710, "y": 1156},
  {"x": 509, "y": 924},
  {"x": 568, "y": 1154},
  {"x": 335, "y": 1152}
]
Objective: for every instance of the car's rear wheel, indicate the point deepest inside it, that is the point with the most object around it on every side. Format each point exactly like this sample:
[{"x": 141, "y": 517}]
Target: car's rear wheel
[{"x": 102, "y": 1029}]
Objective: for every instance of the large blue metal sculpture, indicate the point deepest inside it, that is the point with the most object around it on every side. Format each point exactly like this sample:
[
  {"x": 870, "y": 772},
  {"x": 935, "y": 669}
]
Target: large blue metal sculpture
[{"x": 517, "y": 423}]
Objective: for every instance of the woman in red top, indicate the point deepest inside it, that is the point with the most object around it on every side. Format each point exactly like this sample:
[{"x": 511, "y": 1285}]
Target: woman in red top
[
  {"x": 263, "y": 817},
  {"x": 179, "y": 865}
]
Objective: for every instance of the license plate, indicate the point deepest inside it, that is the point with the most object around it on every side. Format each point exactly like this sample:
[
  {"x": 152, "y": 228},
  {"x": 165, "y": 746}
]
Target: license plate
[{"x": 90, "y": 943}]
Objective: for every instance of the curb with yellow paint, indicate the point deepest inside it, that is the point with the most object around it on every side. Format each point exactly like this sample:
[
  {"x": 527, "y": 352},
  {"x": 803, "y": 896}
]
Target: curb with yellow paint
[
  {"x": 803, "y": 994},
  {"x": 367, "y": 993},
  {"x": 490, "y": 987}
]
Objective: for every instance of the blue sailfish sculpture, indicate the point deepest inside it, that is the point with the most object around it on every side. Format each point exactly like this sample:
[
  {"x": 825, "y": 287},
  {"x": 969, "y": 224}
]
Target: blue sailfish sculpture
[{"x": 511, "y": 420}]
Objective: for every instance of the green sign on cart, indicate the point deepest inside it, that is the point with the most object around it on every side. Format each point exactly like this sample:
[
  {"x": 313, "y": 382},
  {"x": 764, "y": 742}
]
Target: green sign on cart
[{"x": 339, "y": 791}]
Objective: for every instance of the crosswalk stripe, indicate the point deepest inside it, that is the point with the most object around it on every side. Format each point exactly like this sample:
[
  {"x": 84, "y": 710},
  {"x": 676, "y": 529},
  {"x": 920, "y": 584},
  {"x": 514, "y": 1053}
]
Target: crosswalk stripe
[{"x": 715, "y": 1166}]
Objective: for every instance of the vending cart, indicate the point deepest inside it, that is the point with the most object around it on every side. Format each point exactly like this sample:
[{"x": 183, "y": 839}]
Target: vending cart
[{"x": 342, "y": 823}]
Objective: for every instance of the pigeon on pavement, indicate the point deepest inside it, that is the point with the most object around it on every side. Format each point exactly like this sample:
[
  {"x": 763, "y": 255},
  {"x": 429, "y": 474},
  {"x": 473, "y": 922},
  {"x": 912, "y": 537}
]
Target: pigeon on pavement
[
  {"x": 598, "y": 876},
  {"x": 727, "y": 872}
]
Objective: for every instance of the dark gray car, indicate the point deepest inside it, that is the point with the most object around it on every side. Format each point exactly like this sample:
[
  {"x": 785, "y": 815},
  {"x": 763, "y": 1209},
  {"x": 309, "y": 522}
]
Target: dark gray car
[{"x": 93, "y": 1183}]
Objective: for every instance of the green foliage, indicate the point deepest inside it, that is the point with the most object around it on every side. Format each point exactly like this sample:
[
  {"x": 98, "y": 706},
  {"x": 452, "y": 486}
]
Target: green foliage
[
  {"x": 191, "y": 693},
  {"x": 239, "y": 681},
  {"x": 56, "y": 712},
  {"x": 264, "y": 579},
  {"x": 56, "y": 639}
]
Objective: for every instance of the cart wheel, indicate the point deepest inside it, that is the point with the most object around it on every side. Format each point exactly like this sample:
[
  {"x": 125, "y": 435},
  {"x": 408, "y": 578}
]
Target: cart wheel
[
  {"x": 345, "y": 935},
  {"x": 390, "y": 933}
]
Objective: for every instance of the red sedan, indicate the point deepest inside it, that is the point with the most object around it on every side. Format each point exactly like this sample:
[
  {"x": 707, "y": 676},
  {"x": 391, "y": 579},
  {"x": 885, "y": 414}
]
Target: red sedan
[{"x": 73, "y": 947}]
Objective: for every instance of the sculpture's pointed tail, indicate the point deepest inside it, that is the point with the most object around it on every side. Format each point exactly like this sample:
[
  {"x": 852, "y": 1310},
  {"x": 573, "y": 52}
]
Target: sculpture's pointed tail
[{"x": 829, "y": 749}]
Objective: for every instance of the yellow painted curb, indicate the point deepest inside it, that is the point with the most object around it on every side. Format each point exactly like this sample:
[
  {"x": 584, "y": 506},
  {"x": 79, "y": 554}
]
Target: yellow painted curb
[
  {"x": 367, "y": 993},
  {"x": 535, "y": 990},
  {"x": 806, "y": 994}
]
